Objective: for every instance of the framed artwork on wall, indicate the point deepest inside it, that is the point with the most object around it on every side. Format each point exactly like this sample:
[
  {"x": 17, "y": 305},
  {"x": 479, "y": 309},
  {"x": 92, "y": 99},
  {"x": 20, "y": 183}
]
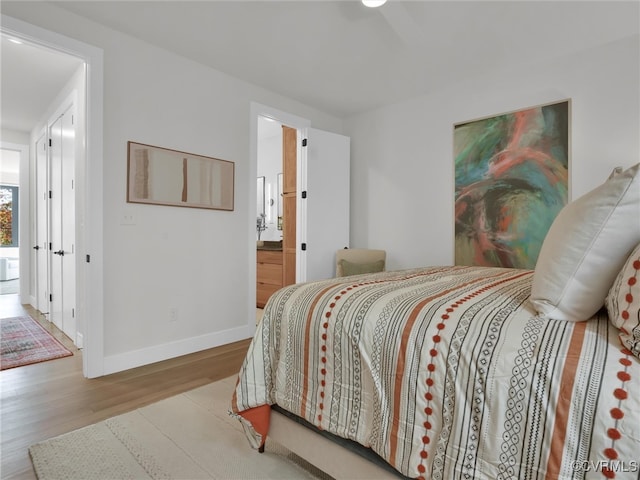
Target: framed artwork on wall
[
  {"x": 511, "y": 180},
  {"x": 161, "y": 176}
]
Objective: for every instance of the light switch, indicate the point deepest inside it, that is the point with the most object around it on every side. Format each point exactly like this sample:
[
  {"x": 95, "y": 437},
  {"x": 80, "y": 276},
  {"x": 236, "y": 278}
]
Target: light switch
[{"x": 128, "y": 219}]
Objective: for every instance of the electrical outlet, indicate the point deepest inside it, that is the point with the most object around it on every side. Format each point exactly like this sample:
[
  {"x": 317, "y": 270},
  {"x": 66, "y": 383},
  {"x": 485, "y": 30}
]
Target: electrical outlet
[{"x": 173, "y": 314}]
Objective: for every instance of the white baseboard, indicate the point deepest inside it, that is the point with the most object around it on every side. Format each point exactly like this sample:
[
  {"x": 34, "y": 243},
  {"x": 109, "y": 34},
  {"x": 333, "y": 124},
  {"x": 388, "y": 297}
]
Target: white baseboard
[{"x": 157, "y": 353}]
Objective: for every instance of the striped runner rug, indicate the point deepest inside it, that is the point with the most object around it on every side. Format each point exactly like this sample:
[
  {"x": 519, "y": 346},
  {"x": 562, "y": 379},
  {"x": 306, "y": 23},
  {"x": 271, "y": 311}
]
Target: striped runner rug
[{"x": 25, "y": 341}]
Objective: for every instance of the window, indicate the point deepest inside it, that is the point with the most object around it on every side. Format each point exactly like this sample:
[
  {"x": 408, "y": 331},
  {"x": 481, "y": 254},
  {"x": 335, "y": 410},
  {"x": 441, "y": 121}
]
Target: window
[{"x": 8, "y": 216}]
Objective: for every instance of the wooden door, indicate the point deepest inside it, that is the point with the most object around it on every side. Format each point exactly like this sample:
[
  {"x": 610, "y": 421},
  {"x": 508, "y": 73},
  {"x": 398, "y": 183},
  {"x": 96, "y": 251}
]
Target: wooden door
[
  {"x": 289, "y": 194},
  {"x": 289, "y": 159}
]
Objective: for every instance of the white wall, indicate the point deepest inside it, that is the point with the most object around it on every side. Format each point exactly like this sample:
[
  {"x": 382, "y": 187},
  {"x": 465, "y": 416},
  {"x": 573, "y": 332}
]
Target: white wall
[
  {"x": 401, "y": 180},
  {"x": 402, "y": 155},
  {"x": 191, "y": 260},
  {"x": 9, "y": 167},
  {"x": 13, "y": 136}
]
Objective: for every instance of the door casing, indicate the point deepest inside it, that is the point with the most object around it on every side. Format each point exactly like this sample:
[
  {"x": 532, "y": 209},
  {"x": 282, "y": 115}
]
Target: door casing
[
  {"x": 89, "y": 188},
  {"x": 41, "y": 231},
  {"x": 332, "y": 214}
]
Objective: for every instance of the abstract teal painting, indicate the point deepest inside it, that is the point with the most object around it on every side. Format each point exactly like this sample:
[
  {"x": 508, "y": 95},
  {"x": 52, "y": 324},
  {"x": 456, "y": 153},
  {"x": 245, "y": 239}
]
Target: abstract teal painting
[{"x": 511, "y": 180}]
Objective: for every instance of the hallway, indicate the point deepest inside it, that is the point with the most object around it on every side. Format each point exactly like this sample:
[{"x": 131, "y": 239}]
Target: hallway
[{"x": 10, "y": 307}]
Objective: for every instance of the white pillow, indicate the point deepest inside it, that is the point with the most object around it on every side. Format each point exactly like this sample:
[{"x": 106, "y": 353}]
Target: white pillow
[{"x": 585, "y": 248}]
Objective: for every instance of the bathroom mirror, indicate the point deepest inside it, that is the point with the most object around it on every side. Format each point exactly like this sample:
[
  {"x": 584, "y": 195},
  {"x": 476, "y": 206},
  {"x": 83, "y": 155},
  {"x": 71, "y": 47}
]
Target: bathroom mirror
[
  {"x": 163, "y": 176},
  {"x": 260, "y": 198},
  {"x": 261, "y": 217},
  {"x": 279, "y": 197}
]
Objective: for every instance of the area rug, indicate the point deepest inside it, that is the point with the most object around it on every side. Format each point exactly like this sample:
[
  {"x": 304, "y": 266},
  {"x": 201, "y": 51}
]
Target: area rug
[
  {"x": 188, "y": 436},
  {"x": 24, "y": 341}
]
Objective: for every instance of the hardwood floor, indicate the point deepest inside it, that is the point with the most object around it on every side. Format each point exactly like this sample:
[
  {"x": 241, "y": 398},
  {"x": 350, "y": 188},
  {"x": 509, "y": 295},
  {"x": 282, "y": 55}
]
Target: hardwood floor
[{"x": 47, "y": 399}]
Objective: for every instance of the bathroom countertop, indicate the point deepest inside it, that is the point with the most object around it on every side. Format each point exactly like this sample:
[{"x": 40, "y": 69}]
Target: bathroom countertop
[{"x": 269, "y": 245}]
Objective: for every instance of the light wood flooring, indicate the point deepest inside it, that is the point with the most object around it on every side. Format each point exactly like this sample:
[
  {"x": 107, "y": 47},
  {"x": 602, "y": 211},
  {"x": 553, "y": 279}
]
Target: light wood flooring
[{"x": 47, "y": 399}]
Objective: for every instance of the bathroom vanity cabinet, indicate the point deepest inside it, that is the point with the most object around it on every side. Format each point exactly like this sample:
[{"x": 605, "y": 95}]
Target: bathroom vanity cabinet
[{"x": 269, "y": 275}]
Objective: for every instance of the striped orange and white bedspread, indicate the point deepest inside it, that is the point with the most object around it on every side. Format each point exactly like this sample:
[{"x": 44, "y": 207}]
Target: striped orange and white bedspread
[{"x": 447, "y": 372}]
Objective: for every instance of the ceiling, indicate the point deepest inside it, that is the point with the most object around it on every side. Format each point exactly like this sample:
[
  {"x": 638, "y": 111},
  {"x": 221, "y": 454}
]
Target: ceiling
[
  {"x": 337, "y": 56},
  {"x": 31, "y": 79}
]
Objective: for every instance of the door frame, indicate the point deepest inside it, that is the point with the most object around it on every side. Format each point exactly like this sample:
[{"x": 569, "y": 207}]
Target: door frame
[
  {"x": 24, "y": 224},
  {"x": 40, "y": 220},
  {"x": 301, "y": 125},
  {"x": 89, "y": 235}
]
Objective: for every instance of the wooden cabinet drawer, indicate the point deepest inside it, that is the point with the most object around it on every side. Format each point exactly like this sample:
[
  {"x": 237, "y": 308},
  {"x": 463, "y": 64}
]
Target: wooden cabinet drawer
[
  {"x": 270, "y": 274},
  {"x": 266, "y": 256},
  {"x": 263, "y": 292}
]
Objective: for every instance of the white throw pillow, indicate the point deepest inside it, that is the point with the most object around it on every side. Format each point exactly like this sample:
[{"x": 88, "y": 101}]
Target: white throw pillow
[{"x": 585, "y": 248}]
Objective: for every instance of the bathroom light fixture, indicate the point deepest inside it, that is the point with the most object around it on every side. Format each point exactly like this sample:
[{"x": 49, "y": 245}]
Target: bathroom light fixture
[{"x": 373, "y": 3}]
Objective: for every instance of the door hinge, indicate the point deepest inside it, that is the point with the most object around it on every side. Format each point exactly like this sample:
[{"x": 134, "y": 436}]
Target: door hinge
[
  {"x": 50, "y": 246},
  {"x": 303, "y": 246},
  {"x": 72, "y": 120},
  {"x": 304, "y": 194},
  {"x": 50, "y": 194},
  {"x": 50, "y": 298},
  {"x": 304, "y": 142},
  {"x": 73, "y": 313},
  {"x": 88, "y": 258},
  {"x": 50, "y": 143}
]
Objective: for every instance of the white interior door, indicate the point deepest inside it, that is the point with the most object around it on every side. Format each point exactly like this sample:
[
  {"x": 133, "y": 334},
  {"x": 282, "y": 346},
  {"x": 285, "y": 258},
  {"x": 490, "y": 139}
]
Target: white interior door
[
  {"x": 41, "y": 231},
  {"x": 68, "y": 224},
  {"x": 55, "y": 223},
  {"x": 324, "y": 214},
  {"x": 62, "y": 224}
]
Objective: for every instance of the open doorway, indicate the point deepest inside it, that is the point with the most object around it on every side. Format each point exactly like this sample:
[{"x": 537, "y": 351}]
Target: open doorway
[
  {"x": 276, "y": 207},
  {"x": 86, "y": 182},
  {"x": 267, "y": 239},
  {"x": 10, "y": 219},
  {"x": 319, "y": 197},
  {"x": 269, "y": 214},
  {"x": 40, "y": 258}
]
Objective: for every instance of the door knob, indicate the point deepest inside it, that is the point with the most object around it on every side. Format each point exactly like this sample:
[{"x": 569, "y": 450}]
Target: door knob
[
  {"x": 59, "y": 252},
  {"x": 37, "y": 247}
]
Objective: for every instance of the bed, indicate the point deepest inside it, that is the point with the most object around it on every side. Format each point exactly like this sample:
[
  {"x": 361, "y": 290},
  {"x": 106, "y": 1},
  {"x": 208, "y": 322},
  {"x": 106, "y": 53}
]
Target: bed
[{"x": 462, "y": 371}]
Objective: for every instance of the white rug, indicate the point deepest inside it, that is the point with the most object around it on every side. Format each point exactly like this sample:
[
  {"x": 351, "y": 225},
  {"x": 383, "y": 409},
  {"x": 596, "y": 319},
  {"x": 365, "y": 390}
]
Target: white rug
[{"x": 189, "y": 436}]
